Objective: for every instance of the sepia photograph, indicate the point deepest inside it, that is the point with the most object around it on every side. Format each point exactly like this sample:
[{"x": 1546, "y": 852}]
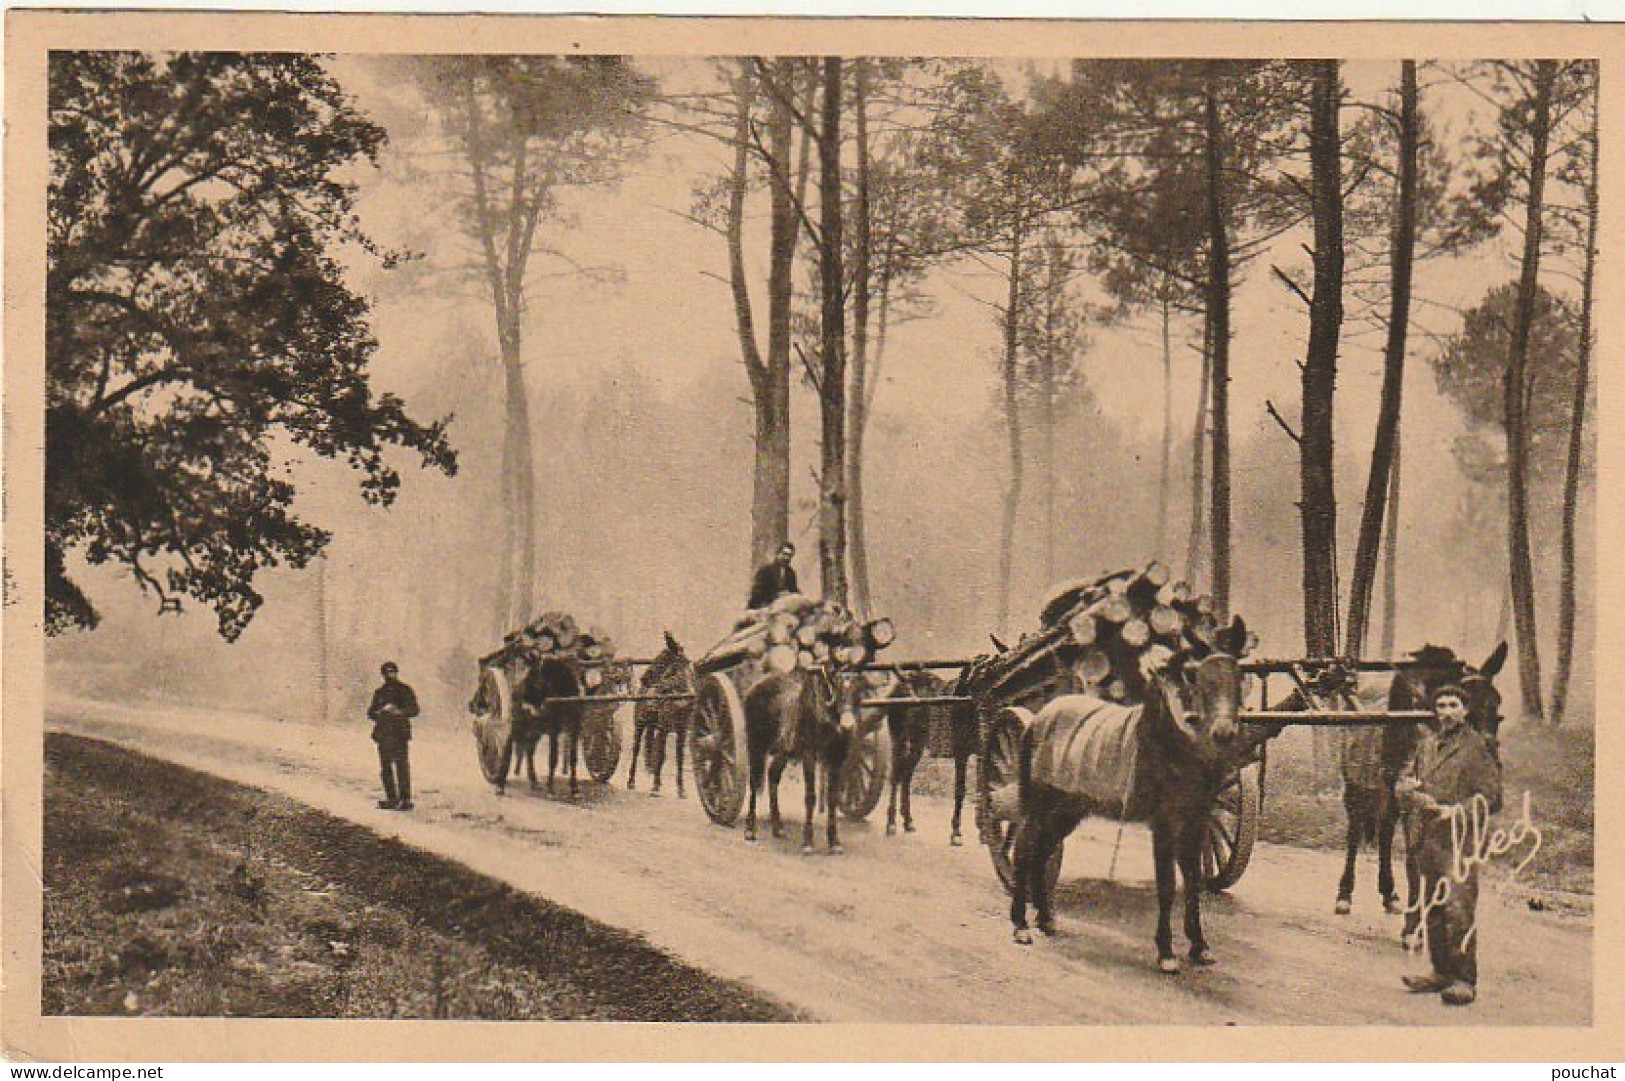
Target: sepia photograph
[{"x": 1093, "y": 532}]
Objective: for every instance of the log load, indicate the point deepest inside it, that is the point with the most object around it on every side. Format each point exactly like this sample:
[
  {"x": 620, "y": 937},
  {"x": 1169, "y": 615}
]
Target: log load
[
  {"x": 797, "y": 631},
  {"x": 1100, "y": 637},
  {"x": 558, "y": 636}
]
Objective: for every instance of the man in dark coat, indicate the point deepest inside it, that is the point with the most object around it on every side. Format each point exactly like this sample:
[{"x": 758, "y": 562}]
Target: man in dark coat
[
  {"x": 393, "y": 707},
  {"x": 773, "y": 580},
  {"x": 1453, "y": 775}
]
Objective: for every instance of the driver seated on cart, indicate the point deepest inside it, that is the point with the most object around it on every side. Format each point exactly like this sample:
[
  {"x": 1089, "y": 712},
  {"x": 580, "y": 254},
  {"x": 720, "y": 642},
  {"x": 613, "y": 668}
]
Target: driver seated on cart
[{"x": 773, "y": 580}]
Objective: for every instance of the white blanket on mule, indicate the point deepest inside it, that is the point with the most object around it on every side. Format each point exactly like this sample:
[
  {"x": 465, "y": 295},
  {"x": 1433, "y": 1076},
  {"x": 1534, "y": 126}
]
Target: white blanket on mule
[{"x": 1085, "y": 747}]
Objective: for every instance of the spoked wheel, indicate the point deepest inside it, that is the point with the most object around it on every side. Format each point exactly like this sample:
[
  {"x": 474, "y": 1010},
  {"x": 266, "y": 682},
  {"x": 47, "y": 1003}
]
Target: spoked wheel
[
  {"x": 1001, "y": 764},
  {"x": 1232, "y": 827},
  {"x": 493, "y": 726},
  {"x": 717, "y": 747},
  {"x": 863, "y": 776},
  {"x": 600, "y": 742}
]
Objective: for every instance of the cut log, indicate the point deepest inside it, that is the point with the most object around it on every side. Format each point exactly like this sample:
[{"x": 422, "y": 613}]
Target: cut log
[
  {"x": 1094, "y": 666},
  {"x": 1117, "y": 609},
  {"x": 1135, "y": 632},
  {"x": 1166, "y": 621}
]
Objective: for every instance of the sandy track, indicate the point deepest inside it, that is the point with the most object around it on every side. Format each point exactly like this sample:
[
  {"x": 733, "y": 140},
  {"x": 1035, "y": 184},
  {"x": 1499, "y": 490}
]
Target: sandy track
[{"x": 903, "y": 929}]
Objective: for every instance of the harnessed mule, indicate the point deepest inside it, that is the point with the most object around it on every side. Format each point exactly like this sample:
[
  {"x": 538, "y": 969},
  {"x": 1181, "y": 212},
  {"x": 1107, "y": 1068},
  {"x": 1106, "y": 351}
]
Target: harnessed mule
[
  {"x": 1373, "y": 759},
  {"x": 810, "y": 714},
  {"x": 670, "y": 673},
  {"x": 1184, "y": 741},
  {"x": 539, "y": 714},
  {"x": 911, "y": 729}
]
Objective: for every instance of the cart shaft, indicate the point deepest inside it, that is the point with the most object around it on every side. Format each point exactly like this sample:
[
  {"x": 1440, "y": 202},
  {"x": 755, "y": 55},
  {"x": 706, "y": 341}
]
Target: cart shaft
[{"x": 1323, "y": 718}]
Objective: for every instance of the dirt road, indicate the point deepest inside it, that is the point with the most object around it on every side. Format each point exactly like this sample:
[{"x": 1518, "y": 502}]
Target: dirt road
[{"x": 903, "y": 929}]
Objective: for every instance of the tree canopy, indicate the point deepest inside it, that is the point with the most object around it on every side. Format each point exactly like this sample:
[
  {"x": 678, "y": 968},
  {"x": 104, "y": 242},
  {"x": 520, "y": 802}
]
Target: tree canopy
[{"x": 198, "y": 325}]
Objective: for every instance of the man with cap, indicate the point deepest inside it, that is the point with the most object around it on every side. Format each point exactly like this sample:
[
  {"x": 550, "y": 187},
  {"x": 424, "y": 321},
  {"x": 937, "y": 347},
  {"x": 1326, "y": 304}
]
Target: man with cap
[
  {"x": 773, "y": 580},
  {"x": 1451, "y": 772},
  {"x": 393, "y": 707}
]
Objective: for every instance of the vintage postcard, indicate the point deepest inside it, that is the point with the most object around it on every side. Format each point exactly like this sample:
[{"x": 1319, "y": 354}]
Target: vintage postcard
[{"x": 1011, "y": 540}]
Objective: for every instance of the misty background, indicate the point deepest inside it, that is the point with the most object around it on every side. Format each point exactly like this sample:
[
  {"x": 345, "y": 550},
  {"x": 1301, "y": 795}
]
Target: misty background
[{"x": 643, "y": 435}]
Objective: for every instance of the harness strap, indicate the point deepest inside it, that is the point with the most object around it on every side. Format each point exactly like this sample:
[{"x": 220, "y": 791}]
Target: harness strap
[{"x": 1122, "y": 819}]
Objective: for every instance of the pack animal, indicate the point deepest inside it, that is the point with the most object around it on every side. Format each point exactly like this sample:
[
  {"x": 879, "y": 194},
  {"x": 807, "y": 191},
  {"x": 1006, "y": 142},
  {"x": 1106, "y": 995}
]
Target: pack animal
[
  {"x": 1186, "y": 740},
  {"x": 671, "y": 673},
  {"x": 1373, "y": 758},
  {"x": 911, "y": 729},
  {"x": 540, "y": 714},
  {"x": 809, "y": 714}
]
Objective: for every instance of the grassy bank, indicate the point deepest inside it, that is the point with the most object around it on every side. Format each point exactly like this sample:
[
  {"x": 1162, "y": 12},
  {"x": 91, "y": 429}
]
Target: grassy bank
[{"x": 169, "y": 892}]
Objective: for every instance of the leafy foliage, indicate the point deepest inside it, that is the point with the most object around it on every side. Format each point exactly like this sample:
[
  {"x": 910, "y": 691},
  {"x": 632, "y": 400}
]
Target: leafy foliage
[
  {"x": 1471, "y": 371},
  {"x": 197, "y": 319},
  {"x": 1134, "y": 131}
]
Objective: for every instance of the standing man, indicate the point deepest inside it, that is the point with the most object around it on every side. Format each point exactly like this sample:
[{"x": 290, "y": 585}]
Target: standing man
[
  {"x": 773, "y": 580},
  {"x": 1452, "y": 770},
  {"x": 393, "y": 707}
]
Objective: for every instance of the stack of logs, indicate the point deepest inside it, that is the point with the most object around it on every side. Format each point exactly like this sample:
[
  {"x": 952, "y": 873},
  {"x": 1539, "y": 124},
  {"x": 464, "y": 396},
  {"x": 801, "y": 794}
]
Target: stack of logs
[
  {"x": 555, "y": 635},
  {"x": 796, "y": 631},
  {"x": 1099, "y": 637}
]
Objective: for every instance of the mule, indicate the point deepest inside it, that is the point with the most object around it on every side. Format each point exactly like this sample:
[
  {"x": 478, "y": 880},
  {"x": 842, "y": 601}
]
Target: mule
[
  {"x": 1374, "y": 758},
  {"x": 537, "y": 716},
  {"x": 911, "y": 729},
  {"x": 652, "y": 722},
  {"x": 809, "y": 714},
  {"x": 1176, "y": 750}
]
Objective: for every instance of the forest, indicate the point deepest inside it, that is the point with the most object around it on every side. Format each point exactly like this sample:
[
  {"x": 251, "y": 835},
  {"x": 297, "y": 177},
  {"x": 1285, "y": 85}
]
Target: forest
[{"x": 354, "y": 357}]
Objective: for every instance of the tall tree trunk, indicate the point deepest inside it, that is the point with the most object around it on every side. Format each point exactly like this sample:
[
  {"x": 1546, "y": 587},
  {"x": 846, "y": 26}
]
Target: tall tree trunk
[
  {"x": 1047, "y": 389},
  {"x": 1318, "y": 506},
  {"x": 764, "y": 507},
  {"x": 523, "y": 489},
  {"x": 1199, "y": 445},
  {"x": 1165, "y": 477},
  {"x": 1522, "y": 575},
  {"x": 1393, "y": 375},
  {"x": 1390, "y": 562},
  {"x": 832, "y": 380},
  {"x": 1571, "y": 475},
  {"x": 502, "y": 610},
  {"x": 770, "y": 381},
  {"x": 1218, "y": 301},
  {"x": 1012, "y": 417},
  {"x": 324, "y": 661},
  {"x": 858, "y": 405}
]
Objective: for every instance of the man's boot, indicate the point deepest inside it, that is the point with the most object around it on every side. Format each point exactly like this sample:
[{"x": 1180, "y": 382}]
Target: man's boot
[{"x": 1459, "y": 993}]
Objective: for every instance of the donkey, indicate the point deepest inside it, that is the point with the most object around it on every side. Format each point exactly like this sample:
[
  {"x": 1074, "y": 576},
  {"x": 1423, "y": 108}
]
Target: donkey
[
  {"x": 670, "y": 673},
  {"x": 810, "y": 714},
  {"x": 1373, "y": 759},
  {"x": 1173, "y": 754}
]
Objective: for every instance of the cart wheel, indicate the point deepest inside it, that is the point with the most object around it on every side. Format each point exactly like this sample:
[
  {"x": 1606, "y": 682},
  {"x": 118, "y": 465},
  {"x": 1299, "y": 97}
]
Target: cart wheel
[
  {"x": 717, "y": 747},
  {"x": 493, "y": 727},
  {"x": 601, "y": 743},
  {"x": 864, "y": 775},
  {"x": 1001, "y": 763},
  {"x": 1232, "y": 827}
]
